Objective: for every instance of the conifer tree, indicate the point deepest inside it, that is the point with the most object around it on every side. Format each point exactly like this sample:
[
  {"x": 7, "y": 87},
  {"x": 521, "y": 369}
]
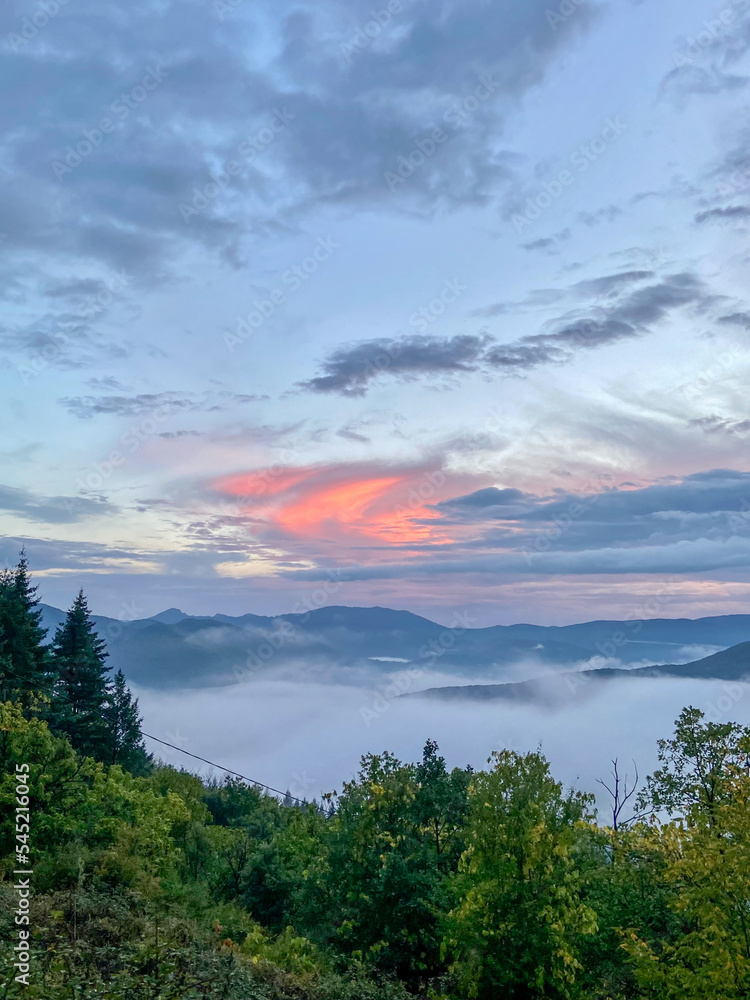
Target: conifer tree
[
  {"x": 24, "y": 659},
  {"x": 126, "y": 741},
  {"x": 81, "y": 692}
]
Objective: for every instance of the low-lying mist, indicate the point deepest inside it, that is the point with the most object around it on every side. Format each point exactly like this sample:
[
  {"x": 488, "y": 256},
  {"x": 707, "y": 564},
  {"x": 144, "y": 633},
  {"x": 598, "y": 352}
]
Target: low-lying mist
[{"x": 308, "y": 737}]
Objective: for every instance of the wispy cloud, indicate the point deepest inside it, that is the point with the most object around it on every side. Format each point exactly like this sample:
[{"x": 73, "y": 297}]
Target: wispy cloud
[{"x": 352, "y": 370}]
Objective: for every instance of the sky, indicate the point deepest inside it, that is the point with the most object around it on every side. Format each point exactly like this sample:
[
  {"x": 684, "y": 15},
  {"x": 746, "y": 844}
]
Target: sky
[{"x": 439, "y": 305}]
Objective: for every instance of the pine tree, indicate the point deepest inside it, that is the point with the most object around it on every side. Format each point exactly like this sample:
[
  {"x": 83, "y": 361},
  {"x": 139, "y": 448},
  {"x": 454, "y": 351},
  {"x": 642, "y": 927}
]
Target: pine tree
[
  {"x": 126, "y": 741},
  {"x": 81, "y": 692},
  {"x": 24, "y": 659}
]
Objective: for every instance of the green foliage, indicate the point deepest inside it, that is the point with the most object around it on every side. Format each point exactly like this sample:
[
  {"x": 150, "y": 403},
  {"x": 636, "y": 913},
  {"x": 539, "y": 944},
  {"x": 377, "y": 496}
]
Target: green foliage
[
  {"x": 422, "y": 881},
  {"x": 80, "y": 697},
  {"x": 702, "y": 866},
  {"x": 394, "y": 837},
  {"x": 24, "y": 667},
  {"x": 517, "y": 927},
  {"x": 697, "y": 765},
  {"x": 83, "y": 812},
  {"x": 124, "y": 742}
]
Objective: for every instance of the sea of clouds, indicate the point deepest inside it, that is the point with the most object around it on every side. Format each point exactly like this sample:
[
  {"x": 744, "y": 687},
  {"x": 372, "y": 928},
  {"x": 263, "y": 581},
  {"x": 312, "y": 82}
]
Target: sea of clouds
[{"x": 309, "y": 737}]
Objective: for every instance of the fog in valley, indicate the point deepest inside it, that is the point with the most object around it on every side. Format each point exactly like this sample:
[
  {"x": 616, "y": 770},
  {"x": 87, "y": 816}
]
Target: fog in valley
[{"x": 308, "y": 737}]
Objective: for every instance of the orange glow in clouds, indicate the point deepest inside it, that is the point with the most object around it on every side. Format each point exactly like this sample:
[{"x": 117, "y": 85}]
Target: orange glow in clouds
[{"x": 331, "y": 503}]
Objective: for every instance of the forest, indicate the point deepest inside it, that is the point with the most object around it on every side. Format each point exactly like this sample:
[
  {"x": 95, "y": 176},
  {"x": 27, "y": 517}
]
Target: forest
[{"x": 412, "y": 880}]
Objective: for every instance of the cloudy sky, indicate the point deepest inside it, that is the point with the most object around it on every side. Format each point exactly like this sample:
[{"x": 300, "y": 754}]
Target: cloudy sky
[{"x": 436, "y": 304}]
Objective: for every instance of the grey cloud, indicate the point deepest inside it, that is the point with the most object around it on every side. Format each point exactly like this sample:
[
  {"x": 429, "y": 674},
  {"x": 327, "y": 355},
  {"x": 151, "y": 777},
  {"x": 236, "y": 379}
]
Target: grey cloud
[
  {"x": 713, "y": 504},
  {"x": 77, "y": 290},
  {"x": 651, "y": 304},
  {"x": 686, "y": 557},
  {"x": 545, "y": 243},
  {"x": 51, "y": 510},
  {"x": 57, "y": 554},
  {"x": 536, "y": 297},
  {"x": 703, "y": 493},
  {"x": 705, "y": 59},
  {"x": 66, "y": 342},
  {"x": 350, "y": 434},
  {"x": 85, "y": 407},
  {"x": 607, "y": 214},
  {"x": 736, "y": 319},
  {"x": 106, "y": 383},
  {"x": 611, "y": 282},
  {"x": 352, "y": 119},
  {"x": 351, "y": 369},
  {"x": 173, "y": 435},
  {"x": 548, "y": 243},
  {"x": 731, "y": 213},
  {"x": 721, "y": 425},
  {"x": 489, "y": 497},
  {"x": 522, "y": 356},
  {"x": 489, "y": 312},
  {"x": 682, "y": 83}
]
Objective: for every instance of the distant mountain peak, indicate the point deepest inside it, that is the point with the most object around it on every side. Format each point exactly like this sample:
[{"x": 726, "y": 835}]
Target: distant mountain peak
[{"x": 170, "y": 617}]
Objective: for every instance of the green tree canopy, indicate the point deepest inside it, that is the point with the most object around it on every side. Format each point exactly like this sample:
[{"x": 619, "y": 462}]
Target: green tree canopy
[
  {"x": 125, "y": 739},
  {"x": 697, "y": 765},
  {"x": 81, "y": 691},
  {"x": 516, "y": 930},
  {"x": 24, "y": 661}
]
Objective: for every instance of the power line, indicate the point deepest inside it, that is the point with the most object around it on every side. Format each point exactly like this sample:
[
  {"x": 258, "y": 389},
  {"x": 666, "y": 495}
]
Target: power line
[{"x": 258, "y": 784}]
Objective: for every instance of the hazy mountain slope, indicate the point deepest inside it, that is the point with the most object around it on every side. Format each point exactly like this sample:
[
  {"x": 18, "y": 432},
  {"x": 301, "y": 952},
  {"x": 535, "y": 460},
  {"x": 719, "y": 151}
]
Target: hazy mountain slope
[
  {"x": 176, "y": 650},
  {"x": 728, "y": 665}
]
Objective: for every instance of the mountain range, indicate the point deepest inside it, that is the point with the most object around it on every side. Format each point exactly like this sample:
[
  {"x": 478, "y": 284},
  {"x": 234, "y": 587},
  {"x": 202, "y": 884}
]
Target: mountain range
[
  {"x": 173, "y": 649},
  {"x": 731, "y": 665}
]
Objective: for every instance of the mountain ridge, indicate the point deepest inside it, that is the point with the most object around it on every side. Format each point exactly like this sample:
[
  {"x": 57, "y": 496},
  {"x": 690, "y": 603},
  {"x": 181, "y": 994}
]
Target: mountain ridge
[
  {"x": 173, "y": 649},
  {"x": 731, "y": 664}
]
